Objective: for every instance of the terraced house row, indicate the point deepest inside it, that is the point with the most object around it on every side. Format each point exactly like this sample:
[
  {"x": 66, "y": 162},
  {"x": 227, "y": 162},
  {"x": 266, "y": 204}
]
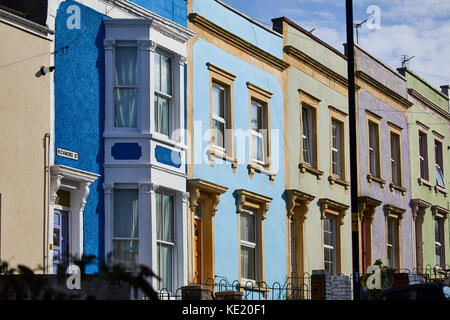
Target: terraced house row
[{"x": 190, "y": 138}]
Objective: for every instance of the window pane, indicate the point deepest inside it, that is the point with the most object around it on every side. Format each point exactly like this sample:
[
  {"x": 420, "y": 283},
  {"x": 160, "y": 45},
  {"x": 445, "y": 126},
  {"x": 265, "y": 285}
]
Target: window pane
[
  {"x": 162, "y": 115},
  {"x": 126, "y": 214},
  {"x": 439, "y": 177},
  {"x": 157, "y": 72},
  {"x": 218, "y": 137},
  {"x": 438, "y": 254},
  {"x": 166, "y": 75},
  {"x": 248, "y": 263},
  {"x": 247, "y": 227},
  {"x": 164, "y": 217},
  {"x": 126, "y": 66},
  {"x": 256, "y": 120},
  {"x": 218, "y": 101},
  {"x": 126, "y": 253},
  {"x": 165, "y": 267},
  {"x": 307, "y": 135},
  {"x": 373, "y": 149},
  {"x": 257, "y": 145},
  {"x": 125, "y": 108}
]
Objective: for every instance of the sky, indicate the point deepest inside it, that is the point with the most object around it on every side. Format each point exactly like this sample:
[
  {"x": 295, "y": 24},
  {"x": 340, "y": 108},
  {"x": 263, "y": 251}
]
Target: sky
[{"x": 419, "y": 28}]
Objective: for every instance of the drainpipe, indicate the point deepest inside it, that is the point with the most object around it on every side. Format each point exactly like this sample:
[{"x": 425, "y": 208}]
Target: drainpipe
[{"x": 46, "y": 142}]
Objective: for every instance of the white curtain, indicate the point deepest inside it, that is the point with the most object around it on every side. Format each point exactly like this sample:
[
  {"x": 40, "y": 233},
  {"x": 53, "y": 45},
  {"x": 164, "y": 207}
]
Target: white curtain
[
  {"x": 126, "y": 225},
  {"x": 165, "y": 236},
  {"x": 125, "y": 92}
]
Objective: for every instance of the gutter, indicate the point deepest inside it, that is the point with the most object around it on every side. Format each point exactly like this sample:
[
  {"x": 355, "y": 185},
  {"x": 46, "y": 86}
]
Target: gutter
[{"x": 26, "y": 23}]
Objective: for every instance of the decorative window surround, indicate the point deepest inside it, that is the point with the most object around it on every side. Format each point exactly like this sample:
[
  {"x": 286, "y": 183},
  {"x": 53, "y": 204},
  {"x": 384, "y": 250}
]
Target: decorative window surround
[
  {"x": 209, "y": 193},
  {"x": 297, "y": 206},
  {"x": 258, "y": 204},
  {"x": 441, "y": 190},
  {"x": 225, "y": 79},
  {"x": 77, "y": 182},
  {"x": 304, "y": 167},
  {"x": 396, "y": 133},
  {"x": 371, "y": 178},
  {"x": 312, "y": 103},
  {"x": 373, "y": 120},
  {"x": 339, "y": 118},
  {"x": 438, "y": 211},
  {"x": 262, "y": 97},
  {"x": 337, "y": 210},
  {"x": 395, "y": 213},
  {"x": 334, "y": 207},
  {"x": 423, "y": 182}
]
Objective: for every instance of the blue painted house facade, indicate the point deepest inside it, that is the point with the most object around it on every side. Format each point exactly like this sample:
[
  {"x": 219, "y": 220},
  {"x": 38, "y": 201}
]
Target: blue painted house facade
[
  {"x": 235, "y": 131},
  {"x": 119, "y": 177}
]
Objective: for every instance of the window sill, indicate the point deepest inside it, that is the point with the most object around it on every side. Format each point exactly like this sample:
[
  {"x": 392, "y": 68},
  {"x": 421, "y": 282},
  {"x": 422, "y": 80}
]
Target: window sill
[
  {"x": 398, "y": 188},
  {"x": 443, "y": 190},
  {"x": 339, "y": 181},
  {"x": 307, "y": 168},
  {"x": 423, "y": 182},
  {"x": 214, "y": 153},
  {"x": 252, "y": 168},
  {"x": 138, "y": 135},
  {"x": 371, "y": 178}
]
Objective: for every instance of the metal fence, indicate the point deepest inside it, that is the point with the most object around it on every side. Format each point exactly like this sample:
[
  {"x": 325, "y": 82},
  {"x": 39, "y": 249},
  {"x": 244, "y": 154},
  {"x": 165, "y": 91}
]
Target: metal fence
[{"x": 294, "y": 288}]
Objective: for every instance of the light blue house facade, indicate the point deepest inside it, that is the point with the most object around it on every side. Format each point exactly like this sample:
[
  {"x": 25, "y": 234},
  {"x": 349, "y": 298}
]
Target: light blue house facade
[
  {"x": 235, "y": 122},
  {"x": 119, "y": 156}
]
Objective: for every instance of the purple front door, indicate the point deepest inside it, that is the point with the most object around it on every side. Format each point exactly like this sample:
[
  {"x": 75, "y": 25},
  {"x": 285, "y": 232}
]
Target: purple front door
[{"x": 60, "y": 240}]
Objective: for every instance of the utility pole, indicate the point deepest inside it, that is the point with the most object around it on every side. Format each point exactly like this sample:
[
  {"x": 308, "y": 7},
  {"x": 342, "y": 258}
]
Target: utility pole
[{"x": 353, "y": 151}]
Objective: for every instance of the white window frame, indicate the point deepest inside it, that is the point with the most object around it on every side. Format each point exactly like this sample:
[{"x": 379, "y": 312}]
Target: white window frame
[
  {"x": 252, "y": 245},
  {"x": 172, "y": 113},
  {"x": 392, "y": 227},
  {"x": 336, "y": 149},
  {"x": 423, "y": 158},
  {"x": 438, "y": 167},
  {"x": 113, "y": 237},
  {"x": 166, "y": 243},
  {"x": 333, "y": 247},
  {"x": 134, "y": 44},
  {"x": 441, "y": 241},
  {"x": 223, "y": 120},
  {"x": 260, "y": 136},
  {"x": 396, "y": 163},
  {"x": 374, "y": 154},
  {"x": 307, "y": 140}
]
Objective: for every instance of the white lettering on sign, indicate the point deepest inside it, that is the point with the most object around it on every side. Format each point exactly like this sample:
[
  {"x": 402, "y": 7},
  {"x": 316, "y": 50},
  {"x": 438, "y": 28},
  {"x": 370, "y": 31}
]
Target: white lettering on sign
[{"x": 67, "y": 154}]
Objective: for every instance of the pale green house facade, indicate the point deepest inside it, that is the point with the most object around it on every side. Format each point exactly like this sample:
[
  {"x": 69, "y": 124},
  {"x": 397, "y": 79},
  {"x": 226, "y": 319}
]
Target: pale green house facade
[
  {"x": 317, "y": 193},
  {"x": 429, "y": 129}
]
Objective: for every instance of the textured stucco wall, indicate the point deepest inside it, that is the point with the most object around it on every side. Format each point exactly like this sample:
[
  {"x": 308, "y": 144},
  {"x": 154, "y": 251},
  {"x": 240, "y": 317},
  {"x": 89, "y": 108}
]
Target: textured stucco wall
[
  {"x": 79, "y": 110},
  {"x": 24, "y": 120},
  {"x": 367, "y": 101},
  {"x": 226, "y": 219},
  {"x": 175, "y": 10},
  {"x": 436, "y": 123},
  {"x": 307, "y": 182}
]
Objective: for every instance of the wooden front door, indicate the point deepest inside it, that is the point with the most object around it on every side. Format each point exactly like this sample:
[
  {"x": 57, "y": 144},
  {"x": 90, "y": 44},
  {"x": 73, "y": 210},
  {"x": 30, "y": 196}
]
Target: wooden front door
[{"x": 60, "y": 240}]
